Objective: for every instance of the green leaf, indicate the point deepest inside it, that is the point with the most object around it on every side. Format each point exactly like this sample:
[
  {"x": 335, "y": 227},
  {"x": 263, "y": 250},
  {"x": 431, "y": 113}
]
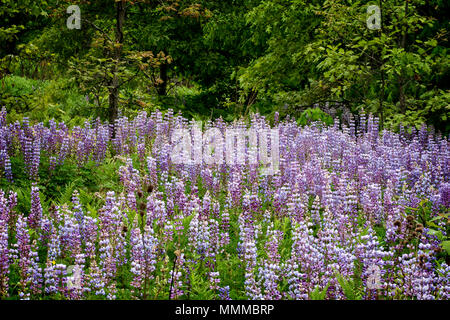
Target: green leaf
[
  {"x": 436, "y": 233},
  {"x": 317, "y": 294},
  {"x": 347, "y": 287},
  {"x": 446, "y": 246}
]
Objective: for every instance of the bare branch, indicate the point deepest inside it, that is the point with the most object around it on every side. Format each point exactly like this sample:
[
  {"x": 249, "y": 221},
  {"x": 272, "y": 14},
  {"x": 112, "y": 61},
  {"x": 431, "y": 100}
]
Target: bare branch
[{"x": 98, "y": 28}]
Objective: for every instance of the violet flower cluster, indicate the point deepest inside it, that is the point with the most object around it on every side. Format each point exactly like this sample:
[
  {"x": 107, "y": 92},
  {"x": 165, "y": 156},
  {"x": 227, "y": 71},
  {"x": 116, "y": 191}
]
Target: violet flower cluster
[{"x": 347, "y": 200}]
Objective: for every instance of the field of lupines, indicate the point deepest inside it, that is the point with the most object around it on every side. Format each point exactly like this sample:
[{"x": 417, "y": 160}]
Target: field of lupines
[{"x": 349, "y": 208}]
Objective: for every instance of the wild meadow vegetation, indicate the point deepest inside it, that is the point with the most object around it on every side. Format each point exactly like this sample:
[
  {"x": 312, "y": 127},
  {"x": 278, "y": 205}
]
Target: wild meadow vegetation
[
  {"x": 137, "y": 225},
  {"x": 93, "y": 204}
]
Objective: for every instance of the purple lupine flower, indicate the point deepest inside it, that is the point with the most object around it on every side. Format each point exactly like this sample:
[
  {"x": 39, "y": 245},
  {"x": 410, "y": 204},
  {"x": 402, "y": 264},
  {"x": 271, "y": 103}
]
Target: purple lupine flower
[
  {"x": 47, "y": 229},
  {"x": 141, "y": 151},
  {"x": 8, "y": 169},
  {"x": 199, "y": 235},
  {"x": 64, "y": 150},
  {"x": 36, "y": 158},
  {"x": 70, "y": 236},
  {"x": 4, "y": 250},
  {"x": 176, "y": 277},
  {"x": 224, "y": 293},
  {"x": 51, "y": 276},
  {"x": 90, "y": 236},
  {"x": 343, "y": 176},
  {"x": 34, "y": 275},
  {"x": 444, "y": 192},
  {"x": 252, "y": 289},
  {"x": 143, "y": 259},
  {"x": 34, "y": 219},
  {"x": 23, "y": 254},
  {"x": 108, "y": 264},
  {"x": 443, "y": 282},
  {"x": 96, "y": 280},
  {"x": 306, "y": 263},
  {"x": 52, "y": 163},
  {"x": 76, "y": 287},
  {"x": 370, "y": 253},
  {"x": 214, "y": 281},
  {"x": 3, "y": 114}
]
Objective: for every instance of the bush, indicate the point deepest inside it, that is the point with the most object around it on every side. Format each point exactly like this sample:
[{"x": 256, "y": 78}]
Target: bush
[{"x": 41, "y": 100}]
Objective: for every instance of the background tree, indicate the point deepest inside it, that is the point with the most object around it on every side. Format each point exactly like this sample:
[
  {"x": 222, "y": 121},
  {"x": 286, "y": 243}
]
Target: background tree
[
  {"x": 229, "y": 58},
  {"x": 393, "y": 71}
]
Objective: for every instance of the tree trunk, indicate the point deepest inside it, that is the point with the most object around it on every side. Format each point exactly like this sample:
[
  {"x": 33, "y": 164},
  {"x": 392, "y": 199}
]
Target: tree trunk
[
  {"x": 117, "y": 53},
  {"x": 401, "y": 93},
  {"x": 113, "y": 101},
  {"x": 162, "y": 87}
]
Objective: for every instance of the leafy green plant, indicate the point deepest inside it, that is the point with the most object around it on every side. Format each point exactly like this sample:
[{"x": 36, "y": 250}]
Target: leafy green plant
[
  {"x": 318, "y": 294},
  {"x": 312, "y": 115},
  {"x": 348, "y": 287}
]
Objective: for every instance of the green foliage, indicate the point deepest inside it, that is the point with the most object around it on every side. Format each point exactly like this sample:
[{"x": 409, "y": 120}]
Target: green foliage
[
  {"x": 13, "y": 18},
  {"x": 323, "y": 51},
  {"x": 199, "y": 284},
  {"x": 283, "y": 28},
  {"x": 311, "y": 115},
  {"x": 438, "y": 232},
  {"x": 42, "y": 100},
  {"x": 446, "y": 246},
  {"x": 231, "y": 58},
  {"x": 376, "y": 70},
  {"x": 348, "y": 287},
  {"x": 318, "y": 294}
]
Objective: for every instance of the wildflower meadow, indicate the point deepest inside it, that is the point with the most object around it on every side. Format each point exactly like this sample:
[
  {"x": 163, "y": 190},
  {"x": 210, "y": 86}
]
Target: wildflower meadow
[{"x": 100, "y": 211}]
